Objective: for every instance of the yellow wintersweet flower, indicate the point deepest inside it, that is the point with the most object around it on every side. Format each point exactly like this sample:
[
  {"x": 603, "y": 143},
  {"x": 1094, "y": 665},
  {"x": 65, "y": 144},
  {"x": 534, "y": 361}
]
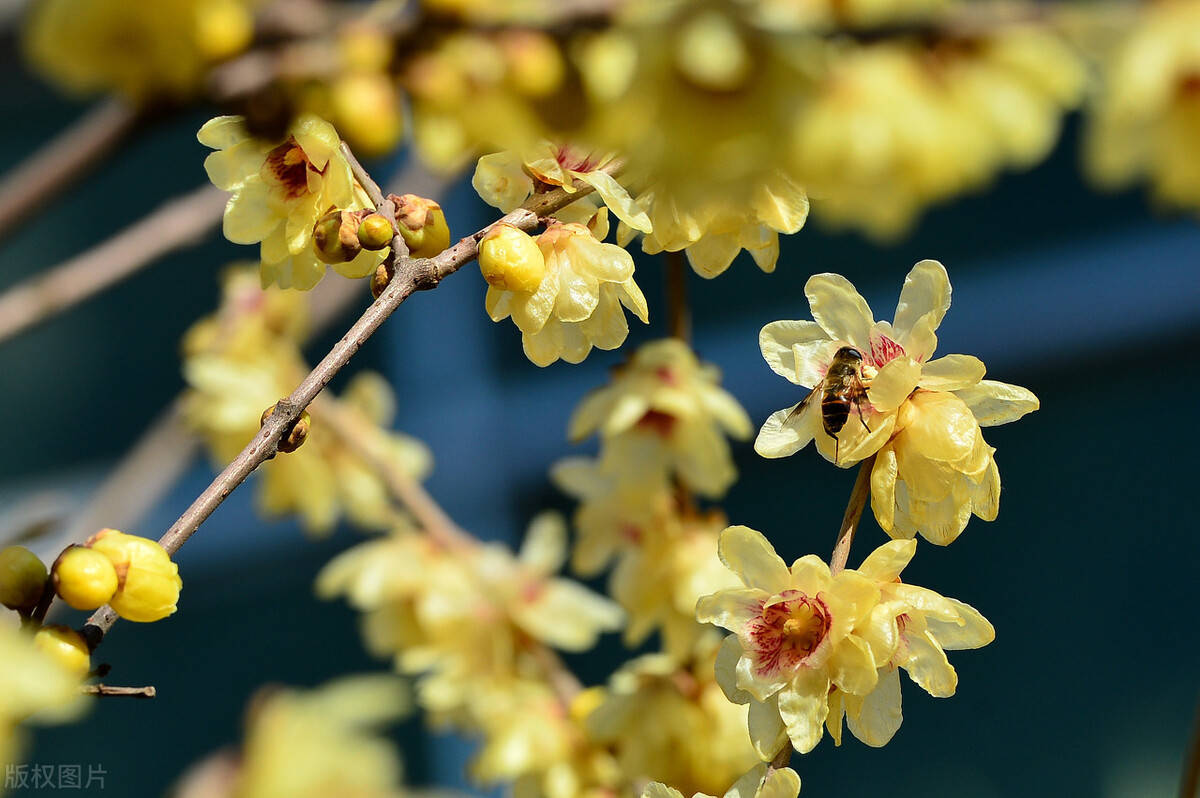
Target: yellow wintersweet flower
[
  {"x": 898, "y": 125},
  {"x": 462, "y": 612},
  {"x": 36, "y": 686},
  {"x": 506, "y": 179},
  {"x": 796, "y": 635},
  {"x": 666, "y": 393},
  {"x": 919, "y": 626},
  {"x": 825, "y": 15},
  {"x": 1146, "y": 122},
  {"x": 922, "y": 416},
  {"x": 761, "y": 781},
  {"x": 681, "y": 699},
  {"x": 711, "y": 230},
  {"x": 578, "y": 303},
  {"x": 312, "y": 744},
  {"x": 278, "y": 192},
  {"x": 141, "y": 50}
]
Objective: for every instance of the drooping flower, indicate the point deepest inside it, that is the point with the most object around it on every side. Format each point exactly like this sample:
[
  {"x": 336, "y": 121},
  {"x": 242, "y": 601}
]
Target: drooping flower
[
  {"x": 665, "y": 392},
  {"x": 578, "y": 303},
  {"x": 919, "y": 626},
  {"x": 934, "y": 469},
  {"x": 278, "y": 192},
  {"x": 1146, "y": 119},
  {"x": 796, "y": 635}
]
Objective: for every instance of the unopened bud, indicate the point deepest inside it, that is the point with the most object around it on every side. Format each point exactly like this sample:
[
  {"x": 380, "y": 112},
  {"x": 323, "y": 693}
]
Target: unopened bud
[
  {"x": 296, "y": 435},
  {"x": 22, "y": 578},
  {"x": 66, "y": 647},
  {"x": 335, "y": 236},
  {"x": 375, "y": 232},
  {"x": 148, "y": 582},
  {"x": 383, "y": 276},
  {"x": 84, "y": 578},
  {"x": 422, "y": 224},
  {"x": 510, "y": 259}
]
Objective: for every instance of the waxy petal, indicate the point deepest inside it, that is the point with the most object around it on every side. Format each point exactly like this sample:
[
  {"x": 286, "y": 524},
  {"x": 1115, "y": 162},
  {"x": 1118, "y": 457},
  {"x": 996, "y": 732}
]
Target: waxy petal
[
  {"x": 952, "y": 373},
  {"x": 894, "y": 382},
  {"x": 926, "y": 292},
  {"x": 886, "y": 562},
  {"x": 996, "y": 403},
  {"x": 751, "y": 556},
  {"x": 804, "y": 705},
  {"x": 767, "y": 733},
  {"x": 878, "y": 717},
  {"x": 799, "y": 351},
  {"x": 840, "y": 310}
]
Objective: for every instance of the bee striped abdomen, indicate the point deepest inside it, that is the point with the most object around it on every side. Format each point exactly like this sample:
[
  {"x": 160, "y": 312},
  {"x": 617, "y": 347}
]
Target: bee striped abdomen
[{"x": 835, "y": 409}]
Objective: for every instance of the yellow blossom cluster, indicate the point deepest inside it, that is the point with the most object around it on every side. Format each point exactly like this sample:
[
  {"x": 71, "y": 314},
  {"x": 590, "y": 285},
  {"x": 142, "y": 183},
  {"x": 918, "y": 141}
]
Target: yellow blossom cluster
[
  {"x": 566, "y": 290},
  {"x": 144, "y": 51},
  {"x": 37, "y": 687},
  {"x": 242, "y": 361},
  {"x": 1146, "y": 121},
  {"x": 919, "y": 416},
  {"x": 809, "y": 646},
  {"x": 278, "y": 191},
  {"x": 662, "y": 424},
  {"x": 311, "y": 744},
  {"x": 474, "y": 620}
]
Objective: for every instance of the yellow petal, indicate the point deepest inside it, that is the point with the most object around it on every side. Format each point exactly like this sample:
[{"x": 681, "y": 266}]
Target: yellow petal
[
  {"x": 618, "y": 200},
  {"x": 928, "y": 667},
  {"x": 785, "y": 433},
  {"x": 730, "y": 609},
  {"x": 894, "y": 382},
  {"x": 840, "y": 309},
  {"x": 804, "y": 705},
  {"x": 996, "y": 403},
  {"x": 972, "y": 631},
  {"x": 878, "y": 717},
  {"x": 767, "y": 734},
  {"x": 798, "y": 351},
  {"x": 726, "y": 670},
  {"x": 952, "y": 373},
  {"x": 926, "y": 291},
  {"x": 883, "y": 487},
  {"x": 852, "y": 667},
  {"x": 886, "y": 562},
  {"x": 222, "y": 132},
  {"x": 544, "y": 549},
  {"x": 752, "y": 558}
]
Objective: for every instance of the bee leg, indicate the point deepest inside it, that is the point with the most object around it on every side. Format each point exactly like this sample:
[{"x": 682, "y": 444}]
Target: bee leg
[
  {"x": 862, "y": 418},
  {"x": 837, "y": 443}
]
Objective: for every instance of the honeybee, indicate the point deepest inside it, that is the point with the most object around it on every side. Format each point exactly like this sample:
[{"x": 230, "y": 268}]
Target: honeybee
[{"x": 841, "y": 388}]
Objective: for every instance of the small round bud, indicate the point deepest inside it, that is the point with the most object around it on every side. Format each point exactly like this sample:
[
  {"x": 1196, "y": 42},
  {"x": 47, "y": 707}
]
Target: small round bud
[
  {"x": 422, "y": 224},
  {"x": 510, "y": 259},
  {"x": 22, "y": 578},
  {"x": 375, "y": 232},
  {"x": 66, "y": 647},
  {"x": 148, "y": 582},
  {"x": 298, "y": 433},
  {"x": 84, "y": 578},
  {"x": 335, "y": 237},
  {"x": 383, "y": 275}
]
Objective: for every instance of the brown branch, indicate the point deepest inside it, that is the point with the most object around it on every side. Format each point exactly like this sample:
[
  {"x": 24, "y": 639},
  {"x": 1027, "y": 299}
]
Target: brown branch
[
  {"x": 412, "y": 275},
  {"x": 64, "y": 159},
  {"x": 175, "y": 224},
  {"x": 1189, "y": 786},
  {"x": 678, "y": 312},
  {"x": 125, "y": 692},
  {"x": 854, "y": 510}
]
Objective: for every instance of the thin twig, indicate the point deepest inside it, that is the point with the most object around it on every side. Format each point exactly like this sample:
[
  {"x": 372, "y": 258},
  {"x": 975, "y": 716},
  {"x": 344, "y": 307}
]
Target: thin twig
[
  {"x": 64, "y": 159},
  {"x": 123, "y": 692},
  {"x": 1189, "y": 787},
  {"x": 412, "y": 275},
  {"x": 358, "y": 438},
  {"x": 783, "y": 758},
  {"x": 854, "y": 510},
  {"x": 175, "y": 224},
  {"x": 679, "y": 312}
]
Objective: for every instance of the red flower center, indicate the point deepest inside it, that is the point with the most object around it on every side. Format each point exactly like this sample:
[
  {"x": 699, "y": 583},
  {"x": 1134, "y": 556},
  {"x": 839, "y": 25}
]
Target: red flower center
[
  {"x": 287, "y": 166},
  {"x": 789, "y": 631},
  {"x": 657, "y": 422}
]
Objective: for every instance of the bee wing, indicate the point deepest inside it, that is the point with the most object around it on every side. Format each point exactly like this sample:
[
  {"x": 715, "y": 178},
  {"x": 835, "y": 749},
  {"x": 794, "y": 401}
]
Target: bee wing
[{"x": 798, "y": 409}]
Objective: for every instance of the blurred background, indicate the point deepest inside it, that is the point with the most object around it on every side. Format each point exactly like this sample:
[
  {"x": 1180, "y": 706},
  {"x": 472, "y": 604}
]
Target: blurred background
[{"x": 1089, "y": 574}]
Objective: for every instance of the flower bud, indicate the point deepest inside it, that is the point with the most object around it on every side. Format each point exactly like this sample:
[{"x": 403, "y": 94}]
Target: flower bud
[
  {"x": 335, "y": 236},
  {"x": 22, "y": 578},
  {"x": 375, "y": 232},
  {"x": 296, "y": 436},
  {"x": 383, "y": 276},
  {"x": 148, "y": 582},
  {"x": 422, "y": 224},
  {"x": 510, "y": 259},
  {"x": 84, "y": 578},
  {"x": 66, "y": 647}
]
